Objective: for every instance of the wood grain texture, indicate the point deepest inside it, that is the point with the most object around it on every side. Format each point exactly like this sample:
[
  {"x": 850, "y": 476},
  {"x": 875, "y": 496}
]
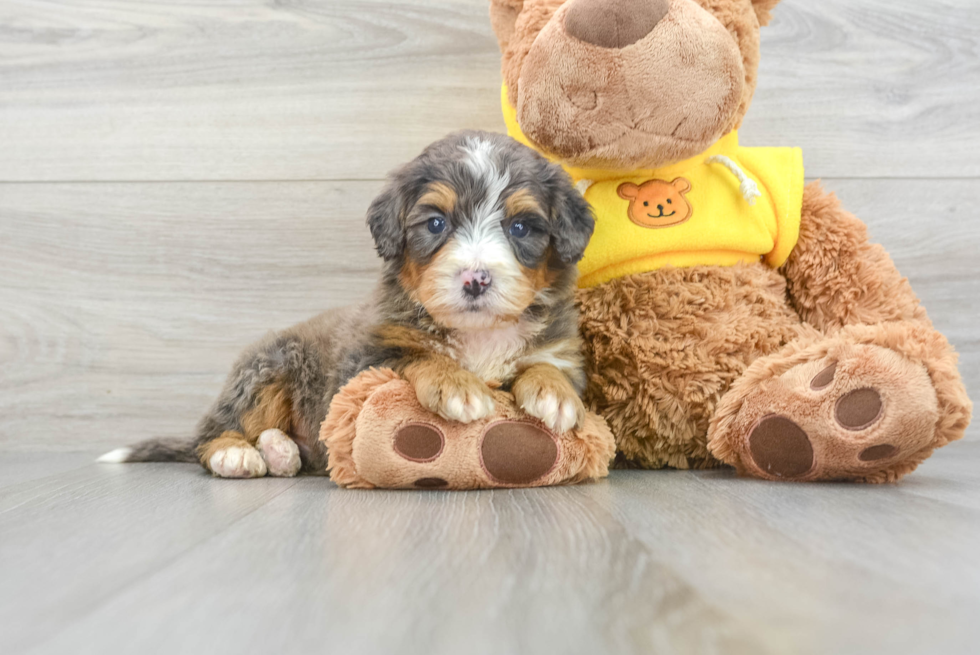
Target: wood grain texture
[
  {"x": 129, "y": 90},
  {"x": 318, "y": 89},
  {"x": 225, "y": 152},
  {"x": 72, "y": 541},
  {"x": 163, "y": 559},
  {"x": 123, "y": 305},
  {"x": 876, "y": 88},
  {"x": 21, "y": 467},
  {"x": 830, "y": 568}
]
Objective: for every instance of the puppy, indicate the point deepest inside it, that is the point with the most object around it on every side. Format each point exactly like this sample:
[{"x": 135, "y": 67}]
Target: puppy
[{"x": 479, "y": 236}]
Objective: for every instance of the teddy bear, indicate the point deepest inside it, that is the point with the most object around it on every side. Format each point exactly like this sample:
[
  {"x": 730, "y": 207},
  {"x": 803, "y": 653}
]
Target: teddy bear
[
  {"x": 378, "y": 436},
  {"x": 731, "y": 314}
]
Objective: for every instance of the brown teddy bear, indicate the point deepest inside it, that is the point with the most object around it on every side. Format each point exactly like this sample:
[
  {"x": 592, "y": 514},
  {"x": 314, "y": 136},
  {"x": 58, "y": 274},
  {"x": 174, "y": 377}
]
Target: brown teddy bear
[
  {"x": 730, "y": 314},
  {"x": 380, "y": 437}
]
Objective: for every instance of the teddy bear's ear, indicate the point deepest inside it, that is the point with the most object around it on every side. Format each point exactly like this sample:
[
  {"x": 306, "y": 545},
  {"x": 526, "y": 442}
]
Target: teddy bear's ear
[
  {"x": 503, "y": 18},
  {"x": 763, "y": 9},
  {"x": 628, "y": 191},
  {"x": 682, "y": 185}
]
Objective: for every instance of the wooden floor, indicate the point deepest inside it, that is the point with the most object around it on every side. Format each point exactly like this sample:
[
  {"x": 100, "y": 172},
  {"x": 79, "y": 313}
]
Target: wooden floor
[
  {"x": 162, "y": 558},
  {"x": 178, "y": 177}
]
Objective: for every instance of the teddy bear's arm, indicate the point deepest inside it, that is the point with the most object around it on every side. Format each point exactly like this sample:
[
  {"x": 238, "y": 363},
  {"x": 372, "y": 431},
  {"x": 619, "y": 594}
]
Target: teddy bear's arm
[
  {"x": 836, "y": 277},
  {"x": 868, "y": 394}
]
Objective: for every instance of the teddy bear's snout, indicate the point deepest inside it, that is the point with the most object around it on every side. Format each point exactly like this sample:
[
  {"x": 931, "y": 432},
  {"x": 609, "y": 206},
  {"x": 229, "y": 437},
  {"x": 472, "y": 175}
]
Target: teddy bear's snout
[
  {"x": 623, "y": 84},
  {"x": 613, "y": 23}
]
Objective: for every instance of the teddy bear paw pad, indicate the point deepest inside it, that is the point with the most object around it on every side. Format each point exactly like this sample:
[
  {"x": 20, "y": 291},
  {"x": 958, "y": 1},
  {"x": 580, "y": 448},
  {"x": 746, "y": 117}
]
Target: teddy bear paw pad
[
  {"x": 431, "y": 483},
  {"x": 515, "y": 452},
  {"x": 418, "y": 442},
  {"x": 852, "y": 414},
  {"x": 859, "y": 409},
  {"x": 780, "y": 447}
]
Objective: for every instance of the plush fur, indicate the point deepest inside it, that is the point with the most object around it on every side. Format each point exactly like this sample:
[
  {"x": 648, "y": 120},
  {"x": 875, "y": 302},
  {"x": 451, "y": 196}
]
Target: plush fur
[
  {"x": 825, "y": 369},
  {"x": 371, "y": 408},
  {"x": 480, "y": 236},
  {"x": 641, "y": 106},
  {"x": 664, "y": 347}
]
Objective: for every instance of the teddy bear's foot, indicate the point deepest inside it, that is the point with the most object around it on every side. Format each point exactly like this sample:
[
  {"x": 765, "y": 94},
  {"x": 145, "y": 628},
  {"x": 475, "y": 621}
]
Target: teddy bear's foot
[
  {"x": 834, "y": 411},
  {"x": 378, "y": 435},
  {"x": 510, "y": 453}
]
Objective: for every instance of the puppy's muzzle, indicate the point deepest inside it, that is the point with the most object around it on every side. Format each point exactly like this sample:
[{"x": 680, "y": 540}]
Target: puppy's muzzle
[{"x": 475, "y": 283}]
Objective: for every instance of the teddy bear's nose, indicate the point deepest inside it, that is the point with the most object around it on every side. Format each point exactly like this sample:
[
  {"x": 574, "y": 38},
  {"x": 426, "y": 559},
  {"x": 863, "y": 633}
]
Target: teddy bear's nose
[{"x": 614, "y": 23}]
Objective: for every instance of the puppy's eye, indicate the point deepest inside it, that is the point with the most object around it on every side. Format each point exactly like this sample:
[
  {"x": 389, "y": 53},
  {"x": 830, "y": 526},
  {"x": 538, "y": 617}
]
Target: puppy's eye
[
  {"x": 437, "y": 224},
  {"x": 519, "y": 230},
  {"x": 646, "y": 204},
  {"x": 669, "y": 201}
]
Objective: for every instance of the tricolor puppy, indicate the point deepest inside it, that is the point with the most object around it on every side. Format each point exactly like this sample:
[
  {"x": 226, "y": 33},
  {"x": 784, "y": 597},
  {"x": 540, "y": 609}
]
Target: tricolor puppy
[{"x": 480, "y": 237}]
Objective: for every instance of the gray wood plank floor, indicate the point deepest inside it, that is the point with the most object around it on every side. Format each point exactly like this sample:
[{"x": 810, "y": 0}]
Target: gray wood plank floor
[
  {"x": 178, "y": 177},
  {"x": 161, "y": 558}
]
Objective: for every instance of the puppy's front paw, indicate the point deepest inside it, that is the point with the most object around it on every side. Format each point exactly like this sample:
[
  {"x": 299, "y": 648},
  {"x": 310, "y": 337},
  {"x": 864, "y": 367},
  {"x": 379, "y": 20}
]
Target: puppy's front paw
[
  {"x": 561, "y": 414},
  {"x": 456, "y": 396},
  {"x": 551, "y": 399}
]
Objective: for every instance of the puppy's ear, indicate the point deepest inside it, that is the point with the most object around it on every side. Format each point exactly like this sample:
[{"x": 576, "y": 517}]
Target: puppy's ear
[
  {"x": 384, "y": 218},
  {"x": 573, "y": 219}
]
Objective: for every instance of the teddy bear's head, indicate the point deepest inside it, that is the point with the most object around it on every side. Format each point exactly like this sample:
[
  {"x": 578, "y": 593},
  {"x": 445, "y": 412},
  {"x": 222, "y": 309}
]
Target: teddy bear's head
[{"x": 627, "y": 84}]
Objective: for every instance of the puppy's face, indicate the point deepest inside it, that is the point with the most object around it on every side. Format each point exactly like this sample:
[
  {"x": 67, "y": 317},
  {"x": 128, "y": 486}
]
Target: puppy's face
[{"x": 479, "y": 228}]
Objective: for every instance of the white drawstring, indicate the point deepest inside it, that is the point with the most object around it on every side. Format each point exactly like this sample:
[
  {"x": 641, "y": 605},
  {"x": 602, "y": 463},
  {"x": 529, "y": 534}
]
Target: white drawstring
[
  {"x": 583, "y": 186},
  {"x": 749, "y": 189},
  {"x": 747, "y": 186}
]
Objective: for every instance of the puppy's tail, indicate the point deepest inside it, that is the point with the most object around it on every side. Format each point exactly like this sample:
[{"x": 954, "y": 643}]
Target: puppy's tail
[{"x": 154, "y": 450}]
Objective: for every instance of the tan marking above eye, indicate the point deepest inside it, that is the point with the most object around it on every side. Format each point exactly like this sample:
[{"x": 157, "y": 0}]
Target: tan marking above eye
[
  {"x": 439, "y": 195},
  {"x": 522, "y": 201}
]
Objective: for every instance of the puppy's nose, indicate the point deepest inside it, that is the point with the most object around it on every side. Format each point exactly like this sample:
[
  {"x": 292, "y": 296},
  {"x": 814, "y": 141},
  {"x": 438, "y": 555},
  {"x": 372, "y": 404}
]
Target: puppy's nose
[
  {"x": 614, "y": 23},
  {"x": 475, "y": 283}
]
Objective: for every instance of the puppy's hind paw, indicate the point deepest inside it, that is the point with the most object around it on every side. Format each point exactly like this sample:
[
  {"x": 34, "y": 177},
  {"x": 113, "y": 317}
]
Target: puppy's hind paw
[
  {"x": 237, "y": 462},
  {"x": 280, "y": 453}
]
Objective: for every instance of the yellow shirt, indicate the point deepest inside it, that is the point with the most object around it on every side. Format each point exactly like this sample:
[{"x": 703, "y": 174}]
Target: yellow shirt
[{"x": 690, "y": 213}]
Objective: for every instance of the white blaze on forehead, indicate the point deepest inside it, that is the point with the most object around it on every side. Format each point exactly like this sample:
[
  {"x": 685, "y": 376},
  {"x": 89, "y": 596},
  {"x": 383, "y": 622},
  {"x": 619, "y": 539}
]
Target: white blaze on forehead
[
  {"x": 479, "y": 157},
  {"x": 481, "y": 238}
]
